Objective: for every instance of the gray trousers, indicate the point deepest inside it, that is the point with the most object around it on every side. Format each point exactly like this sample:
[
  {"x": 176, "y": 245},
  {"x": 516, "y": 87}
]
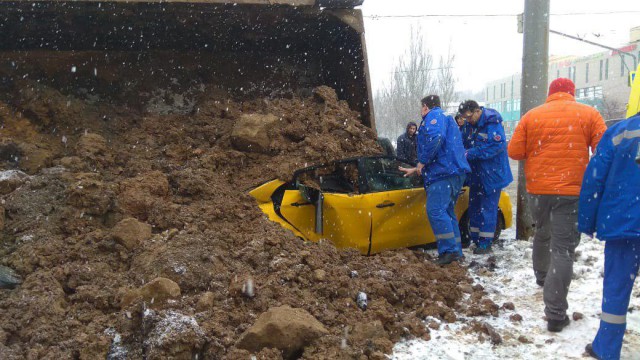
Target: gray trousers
[{"x": 554, "y": 246}]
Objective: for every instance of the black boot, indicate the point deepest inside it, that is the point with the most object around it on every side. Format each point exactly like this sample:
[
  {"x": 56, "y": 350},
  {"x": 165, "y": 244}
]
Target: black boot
[
  {"x": 557, "y": 325},
  {"x": 589, "y": 350},
  {"x": 447, "y": 258},
  {"x": 483, "y": 251}
]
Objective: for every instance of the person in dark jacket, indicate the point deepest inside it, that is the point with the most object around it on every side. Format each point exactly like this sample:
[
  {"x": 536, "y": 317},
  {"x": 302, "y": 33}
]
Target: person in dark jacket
[
  {"x": 490, "y": 171},
  {"x": 407, "y": 144},
  {"x": 443, "y": 168},
  {"x": 608, "y": 206},
  {"x": 459, "y": 120}
]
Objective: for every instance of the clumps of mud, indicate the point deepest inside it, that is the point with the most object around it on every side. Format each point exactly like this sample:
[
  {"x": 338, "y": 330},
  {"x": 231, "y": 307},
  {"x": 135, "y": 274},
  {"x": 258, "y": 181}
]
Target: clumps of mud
[{"x": 97, "y": 284}]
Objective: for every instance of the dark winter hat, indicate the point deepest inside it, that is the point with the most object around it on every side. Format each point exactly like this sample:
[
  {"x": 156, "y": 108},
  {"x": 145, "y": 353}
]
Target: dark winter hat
[
  {"x": 562, "y": 85},
  {"x": 468, "y": 105}
]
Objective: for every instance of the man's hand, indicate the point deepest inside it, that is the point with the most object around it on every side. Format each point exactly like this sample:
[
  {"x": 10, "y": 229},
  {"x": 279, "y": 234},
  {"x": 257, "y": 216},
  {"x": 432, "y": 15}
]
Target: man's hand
[
  {"x": 408, "y": 171},
  {"x": 412, "y": 171}
]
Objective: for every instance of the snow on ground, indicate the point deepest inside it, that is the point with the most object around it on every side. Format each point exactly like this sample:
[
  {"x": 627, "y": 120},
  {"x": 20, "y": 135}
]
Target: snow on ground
[{"x": 513, "y": 281}]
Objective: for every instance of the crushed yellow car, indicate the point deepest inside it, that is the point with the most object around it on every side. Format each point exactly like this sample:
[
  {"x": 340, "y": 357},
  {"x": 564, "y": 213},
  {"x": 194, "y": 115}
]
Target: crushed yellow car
[{"x": 364, "y": 203}]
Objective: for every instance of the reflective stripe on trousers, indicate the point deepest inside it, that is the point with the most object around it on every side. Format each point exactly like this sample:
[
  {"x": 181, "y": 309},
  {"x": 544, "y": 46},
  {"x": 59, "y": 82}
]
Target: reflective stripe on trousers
[
  {"x": 483, "y": 214},
  {"x": 613, "y": 319},
  {"x": 441, "y": 200},
  {"x": 448, "y": 236},
  {"x": 445, "y": 236},
  {"x": 621, "y": 263}
]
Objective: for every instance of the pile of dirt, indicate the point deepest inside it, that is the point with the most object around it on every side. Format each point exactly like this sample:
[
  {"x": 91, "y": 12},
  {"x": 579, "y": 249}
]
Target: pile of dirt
[{"x": 135, "y": 237}]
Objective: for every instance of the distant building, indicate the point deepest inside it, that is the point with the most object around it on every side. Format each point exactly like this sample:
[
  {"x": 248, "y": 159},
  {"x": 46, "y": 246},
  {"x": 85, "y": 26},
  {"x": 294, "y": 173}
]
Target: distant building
[{"x": 601, "y": 81}]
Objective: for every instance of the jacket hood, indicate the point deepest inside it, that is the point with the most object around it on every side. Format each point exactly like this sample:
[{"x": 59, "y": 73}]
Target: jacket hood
[
  {"x": 410, "y": 124},
  {"x": 560, "y": 96},
  {"x": 489, "y": 116}
]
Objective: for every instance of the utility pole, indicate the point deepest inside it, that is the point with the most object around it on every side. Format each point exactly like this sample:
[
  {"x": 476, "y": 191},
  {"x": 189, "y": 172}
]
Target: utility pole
[{"x": 535, "y": 64}]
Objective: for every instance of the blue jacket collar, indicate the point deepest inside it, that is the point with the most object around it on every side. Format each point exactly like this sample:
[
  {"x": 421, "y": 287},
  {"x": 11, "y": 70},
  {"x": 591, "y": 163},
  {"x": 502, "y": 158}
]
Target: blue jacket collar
[
  {"x": 488, "y": 116},
  {"x": 430, "y": 110}
]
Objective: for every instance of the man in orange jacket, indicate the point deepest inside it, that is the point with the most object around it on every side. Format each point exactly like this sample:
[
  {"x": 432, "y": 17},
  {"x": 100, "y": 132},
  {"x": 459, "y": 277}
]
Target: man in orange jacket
[{"x": 554, "y": 139}]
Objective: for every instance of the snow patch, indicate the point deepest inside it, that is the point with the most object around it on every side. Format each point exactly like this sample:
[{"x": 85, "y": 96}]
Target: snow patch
[
  {"x": 513, "y": 281},
  {"x": 170, "y": 326},
  {"x": 7, "y": 175}
]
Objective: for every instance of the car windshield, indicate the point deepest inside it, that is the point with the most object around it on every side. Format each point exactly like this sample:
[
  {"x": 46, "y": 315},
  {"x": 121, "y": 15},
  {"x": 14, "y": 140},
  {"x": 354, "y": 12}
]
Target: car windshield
[{"x": 382, "y": 174}]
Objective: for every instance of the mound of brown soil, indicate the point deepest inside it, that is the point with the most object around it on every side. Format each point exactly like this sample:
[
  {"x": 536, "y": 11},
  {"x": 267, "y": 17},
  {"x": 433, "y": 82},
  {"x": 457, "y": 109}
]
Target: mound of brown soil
[{"x": 216, "y": 261}]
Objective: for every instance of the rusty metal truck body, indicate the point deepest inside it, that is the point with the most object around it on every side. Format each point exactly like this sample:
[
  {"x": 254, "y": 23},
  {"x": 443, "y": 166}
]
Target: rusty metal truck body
[{"x": 247, "y": 48}]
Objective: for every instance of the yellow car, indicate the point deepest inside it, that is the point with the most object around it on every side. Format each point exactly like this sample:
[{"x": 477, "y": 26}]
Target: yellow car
[{"x": 364, "y": 203}]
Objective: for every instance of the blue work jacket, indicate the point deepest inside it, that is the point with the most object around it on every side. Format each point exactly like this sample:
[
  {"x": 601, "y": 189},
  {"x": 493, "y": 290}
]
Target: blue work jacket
[
  {"x": 610, "y": 193},
  {"x": 467, "y": 135},
  {"x": 440, "y": 147},
  {"x": 487, "y": 152}
]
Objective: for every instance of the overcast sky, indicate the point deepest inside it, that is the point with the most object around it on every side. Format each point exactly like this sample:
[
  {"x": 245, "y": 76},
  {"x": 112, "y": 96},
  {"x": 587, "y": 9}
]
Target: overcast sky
[{"x": 488, "y": 47}]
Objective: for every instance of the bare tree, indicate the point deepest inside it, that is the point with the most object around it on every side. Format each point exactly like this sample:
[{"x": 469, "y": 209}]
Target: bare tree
[
  {"x": 611, "y": 108},
  {"x": 414, "y": 76},
  {"x": 446, "y": 83}
]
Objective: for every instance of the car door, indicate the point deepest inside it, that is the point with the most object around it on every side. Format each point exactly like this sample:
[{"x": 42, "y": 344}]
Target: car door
[
  {"x": 300, "y": 213},
  {"x": 348, "y": 221},
  {"x": 331, "y": 208},
  {"x": 397, "y": 205}
]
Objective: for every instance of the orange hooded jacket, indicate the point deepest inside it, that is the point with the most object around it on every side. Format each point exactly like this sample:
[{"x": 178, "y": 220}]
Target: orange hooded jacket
[{"x": 554, "y": 139}]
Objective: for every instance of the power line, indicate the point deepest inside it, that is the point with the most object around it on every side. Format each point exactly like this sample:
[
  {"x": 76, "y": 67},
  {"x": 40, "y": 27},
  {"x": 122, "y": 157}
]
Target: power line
[
  {"x": 420, "y": 70},
  {"x": 375, "y": 17},
  {"x": 437, "y": 15}
]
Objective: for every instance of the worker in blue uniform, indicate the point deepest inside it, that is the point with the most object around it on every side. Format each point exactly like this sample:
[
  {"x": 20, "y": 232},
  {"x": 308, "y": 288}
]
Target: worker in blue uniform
[
  {"x": 443, "y": 168},
  {"x": 609, "y": 202},
  {"x": 486, "y": 153}
]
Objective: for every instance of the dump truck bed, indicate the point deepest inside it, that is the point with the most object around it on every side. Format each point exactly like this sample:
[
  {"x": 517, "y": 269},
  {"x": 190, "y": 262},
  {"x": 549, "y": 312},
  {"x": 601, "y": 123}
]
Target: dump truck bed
[{"x": 248, "y": 48}]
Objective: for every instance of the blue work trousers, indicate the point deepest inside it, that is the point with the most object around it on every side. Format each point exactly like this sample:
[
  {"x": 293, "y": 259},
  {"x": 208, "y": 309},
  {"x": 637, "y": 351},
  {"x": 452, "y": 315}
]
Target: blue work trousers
[
  {"x": 621, "y": 261},
  {"x": 441, "y": 202},
  {"x": 483, "y": 215}
]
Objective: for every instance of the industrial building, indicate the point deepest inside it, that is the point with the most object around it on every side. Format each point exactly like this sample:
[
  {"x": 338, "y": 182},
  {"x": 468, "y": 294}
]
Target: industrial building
[{"x": 602, "y": 81}]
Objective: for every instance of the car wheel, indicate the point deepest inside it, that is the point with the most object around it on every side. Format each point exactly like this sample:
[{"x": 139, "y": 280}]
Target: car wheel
[{"x": 464, "y": 230}]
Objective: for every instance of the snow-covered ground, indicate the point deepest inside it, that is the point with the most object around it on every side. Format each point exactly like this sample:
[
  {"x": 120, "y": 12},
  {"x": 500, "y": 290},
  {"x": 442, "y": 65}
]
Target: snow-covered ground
[{"x": 513, "y": 281}]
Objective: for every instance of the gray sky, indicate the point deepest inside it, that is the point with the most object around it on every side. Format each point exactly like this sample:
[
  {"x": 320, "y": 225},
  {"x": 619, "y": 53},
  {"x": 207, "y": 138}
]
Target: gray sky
[{"x": 488, "y": 48}]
